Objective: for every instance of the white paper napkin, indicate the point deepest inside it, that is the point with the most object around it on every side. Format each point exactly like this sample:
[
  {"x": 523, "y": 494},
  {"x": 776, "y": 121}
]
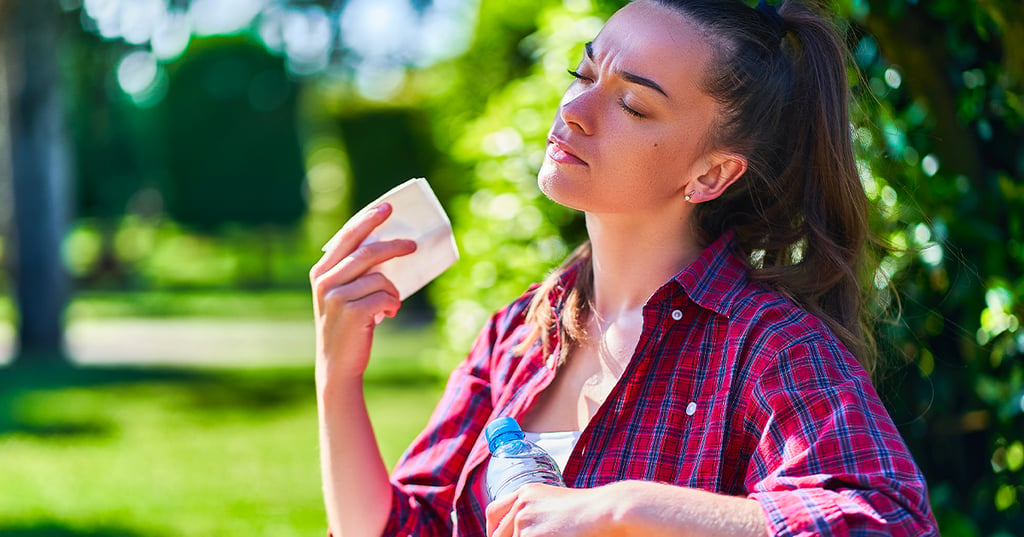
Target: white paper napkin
[{"x": 417, "y": 215}]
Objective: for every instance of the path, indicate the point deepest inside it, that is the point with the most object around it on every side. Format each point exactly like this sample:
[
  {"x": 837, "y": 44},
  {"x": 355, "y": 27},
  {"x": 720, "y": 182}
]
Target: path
[{"x": 183, "y": 341}]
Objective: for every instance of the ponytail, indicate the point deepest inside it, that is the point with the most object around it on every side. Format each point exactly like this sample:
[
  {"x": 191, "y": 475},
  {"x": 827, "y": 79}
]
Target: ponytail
[{"x": 831, "y": 279}]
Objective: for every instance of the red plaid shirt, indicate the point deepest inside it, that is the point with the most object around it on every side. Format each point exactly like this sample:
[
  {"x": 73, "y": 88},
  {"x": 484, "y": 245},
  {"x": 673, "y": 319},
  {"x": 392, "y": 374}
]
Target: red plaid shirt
[{"x": 732, "y": 389}]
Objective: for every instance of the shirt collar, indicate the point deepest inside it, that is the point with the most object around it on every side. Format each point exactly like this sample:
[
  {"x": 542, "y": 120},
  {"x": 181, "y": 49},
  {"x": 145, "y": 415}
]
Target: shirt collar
[
  {"x": 714, "y": 280},
  {"x": 565, "y": 282}
]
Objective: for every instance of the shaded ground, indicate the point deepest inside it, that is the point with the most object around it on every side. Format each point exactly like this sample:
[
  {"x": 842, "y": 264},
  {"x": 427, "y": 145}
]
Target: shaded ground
[
  {"x": 57, "y": 530},
  {"x": 188, "y": 341}
]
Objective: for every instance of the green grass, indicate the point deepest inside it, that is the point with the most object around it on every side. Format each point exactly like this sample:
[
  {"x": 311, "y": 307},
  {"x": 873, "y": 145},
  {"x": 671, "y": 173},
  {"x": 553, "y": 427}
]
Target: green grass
[{"x": 166, "y": 452}]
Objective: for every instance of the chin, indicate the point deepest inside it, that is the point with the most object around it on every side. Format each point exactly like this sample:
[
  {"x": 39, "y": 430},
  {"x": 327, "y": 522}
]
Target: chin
[
  {"x": 557, "y": 190},
  {"x": 549, "y": 183}
]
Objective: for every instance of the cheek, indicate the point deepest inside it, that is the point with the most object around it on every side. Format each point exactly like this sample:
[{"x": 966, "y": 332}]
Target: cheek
[
  {"x": 667, "y": 166},
  {"x": 675, "y": 152},
  {"x": 646, "y": 157}
]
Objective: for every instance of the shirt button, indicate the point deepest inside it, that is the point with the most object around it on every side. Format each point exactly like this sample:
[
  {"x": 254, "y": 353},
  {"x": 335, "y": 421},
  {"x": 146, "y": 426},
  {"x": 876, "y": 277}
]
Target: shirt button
[
  {"x": 551, "y": 361},
  {"x": 691, "y": 408},
  {"x": 676, "y": 314}
]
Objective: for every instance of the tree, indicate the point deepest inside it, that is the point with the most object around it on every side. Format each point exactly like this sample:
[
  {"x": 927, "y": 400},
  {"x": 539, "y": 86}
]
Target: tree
[
  {"x": 39, "y": 168},
  {"x": 232, "y": 143}
]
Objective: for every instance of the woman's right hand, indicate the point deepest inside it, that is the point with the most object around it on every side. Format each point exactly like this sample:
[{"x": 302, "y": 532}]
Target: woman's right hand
[{"x": 349, "y": 297}]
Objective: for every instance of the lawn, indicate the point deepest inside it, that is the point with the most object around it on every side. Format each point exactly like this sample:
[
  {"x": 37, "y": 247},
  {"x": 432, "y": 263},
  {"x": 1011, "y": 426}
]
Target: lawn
[{"x": 163, "y": 451}]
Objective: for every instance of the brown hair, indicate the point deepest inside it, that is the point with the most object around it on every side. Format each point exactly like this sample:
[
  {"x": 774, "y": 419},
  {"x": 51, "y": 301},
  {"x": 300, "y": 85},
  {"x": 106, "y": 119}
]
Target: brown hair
[{"x": 799, "y": 213}]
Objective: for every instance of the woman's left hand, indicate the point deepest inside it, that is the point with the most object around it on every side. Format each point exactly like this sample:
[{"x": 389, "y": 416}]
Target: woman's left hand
[{"x": 539, "y": 510}]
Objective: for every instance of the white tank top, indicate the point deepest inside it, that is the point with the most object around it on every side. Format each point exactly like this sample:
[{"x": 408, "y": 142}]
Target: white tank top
[{"x": 558, "y": 444}]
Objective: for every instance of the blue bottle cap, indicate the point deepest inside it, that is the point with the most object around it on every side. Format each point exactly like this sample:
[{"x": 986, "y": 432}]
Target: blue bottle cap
[{"x": 502, "y": 427}]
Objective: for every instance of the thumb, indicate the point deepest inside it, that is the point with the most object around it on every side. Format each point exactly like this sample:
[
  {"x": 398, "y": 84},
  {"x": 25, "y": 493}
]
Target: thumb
[{"x": 498, "y": 510}]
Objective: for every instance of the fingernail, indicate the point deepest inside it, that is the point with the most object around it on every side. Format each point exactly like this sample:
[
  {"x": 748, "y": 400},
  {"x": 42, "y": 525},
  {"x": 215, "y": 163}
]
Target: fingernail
[{"x": 378, "y": 318}]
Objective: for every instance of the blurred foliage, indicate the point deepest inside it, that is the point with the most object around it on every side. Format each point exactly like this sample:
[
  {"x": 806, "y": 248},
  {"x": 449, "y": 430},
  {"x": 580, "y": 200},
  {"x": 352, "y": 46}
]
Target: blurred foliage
[
  {"x": 942, "y": 154},
  {"x": 385, "y": 147},
  {"x": 232, "y": 148},
  {"x": 202, "y": 184}
]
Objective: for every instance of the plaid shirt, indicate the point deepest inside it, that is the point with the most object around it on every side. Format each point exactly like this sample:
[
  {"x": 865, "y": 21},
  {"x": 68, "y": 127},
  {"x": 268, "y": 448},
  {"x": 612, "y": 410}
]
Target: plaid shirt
[{"x": 732, "y": 389}]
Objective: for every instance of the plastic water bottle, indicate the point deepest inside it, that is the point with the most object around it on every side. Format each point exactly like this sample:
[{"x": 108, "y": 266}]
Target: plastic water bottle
[{"x": 516, "y": 461}]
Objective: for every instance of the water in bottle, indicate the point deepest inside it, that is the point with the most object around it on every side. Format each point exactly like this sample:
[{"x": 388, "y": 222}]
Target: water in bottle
[{"x": 516, "y": 461}]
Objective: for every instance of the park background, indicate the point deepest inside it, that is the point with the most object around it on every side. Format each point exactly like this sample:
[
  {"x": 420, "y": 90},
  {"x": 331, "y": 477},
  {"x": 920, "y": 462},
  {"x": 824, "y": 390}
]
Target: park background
[{"x": 170, "y": 168}]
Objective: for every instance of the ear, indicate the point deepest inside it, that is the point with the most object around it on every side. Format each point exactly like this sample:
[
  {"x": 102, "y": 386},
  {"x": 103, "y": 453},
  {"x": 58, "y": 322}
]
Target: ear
[{"x": 724, "y": 169}]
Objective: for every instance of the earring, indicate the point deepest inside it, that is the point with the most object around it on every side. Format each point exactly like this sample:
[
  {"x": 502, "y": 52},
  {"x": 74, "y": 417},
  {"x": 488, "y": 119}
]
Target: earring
[{"x": 690, "y": 195}]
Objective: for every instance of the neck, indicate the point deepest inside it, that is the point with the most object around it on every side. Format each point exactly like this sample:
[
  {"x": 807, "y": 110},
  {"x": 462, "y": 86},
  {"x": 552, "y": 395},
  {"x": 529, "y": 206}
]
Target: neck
[{"x": 634, "y": 256}]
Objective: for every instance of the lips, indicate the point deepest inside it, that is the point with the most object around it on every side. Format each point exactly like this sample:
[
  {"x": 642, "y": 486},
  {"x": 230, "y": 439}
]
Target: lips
[{"x": 559, "y": 151}]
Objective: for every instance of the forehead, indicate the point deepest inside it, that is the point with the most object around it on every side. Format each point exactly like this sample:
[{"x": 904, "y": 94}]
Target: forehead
[{"x": 654, "y": 41}]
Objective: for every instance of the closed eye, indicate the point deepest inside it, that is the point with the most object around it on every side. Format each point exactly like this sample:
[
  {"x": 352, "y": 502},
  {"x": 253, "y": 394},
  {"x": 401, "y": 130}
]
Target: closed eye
[
  {"x": 622, "y": 102},
  {"x": 578, "y": 76},
  {"x": 625, "y": 107}
]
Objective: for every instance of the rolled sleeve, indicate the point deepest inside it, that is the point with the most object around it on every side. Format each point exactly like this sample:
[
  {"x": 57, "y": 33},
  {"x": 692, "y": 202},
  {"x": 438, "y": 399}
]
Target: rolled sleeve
[{"x": 829, "y": 460}]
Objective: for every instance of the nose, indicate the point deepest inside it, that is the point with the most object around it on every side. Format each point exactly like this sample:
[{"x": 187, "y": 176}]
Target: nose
[{"x": 575, "y": 110}]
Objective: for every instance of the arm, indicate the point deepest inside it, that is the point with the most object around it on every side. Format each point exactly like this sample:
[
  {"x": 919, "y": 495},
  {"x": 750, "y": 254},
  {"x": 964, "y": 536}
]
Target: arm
[
  {"x": 657, "y": 509},
  {"x": 624, "y": 509},
  {"x": 419, "y": 497},
  {"x": 357, "y": 493},
  {"x": 347, "y": 300}
]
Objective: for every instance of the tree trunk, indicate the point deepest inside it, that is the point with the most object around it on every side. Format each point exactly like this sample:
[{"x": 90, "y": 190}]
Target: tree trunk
[
  {"x": 913, "y": 43},
  {"x": 39, "y": 170}
]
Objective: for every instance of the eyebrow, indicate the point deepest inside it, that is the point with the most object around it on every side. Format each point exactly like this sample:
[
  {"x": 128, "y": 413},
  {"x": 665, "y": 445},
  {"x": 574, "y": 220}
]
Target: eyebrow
[{"x": 627, "y": 76}]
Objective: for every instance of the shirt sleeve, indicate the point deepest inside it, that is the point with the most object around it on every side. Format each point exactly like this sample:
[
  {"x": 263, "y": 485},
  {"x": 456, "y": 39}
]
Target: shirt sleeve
[
  {"x": 425, "y": 478},
  {"x": 829, "y": 460}
]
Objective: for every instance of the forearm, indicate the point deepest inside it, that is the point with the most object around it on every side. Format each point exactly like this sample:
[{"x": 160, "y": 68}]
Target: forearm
[
  {"x": 357, "y": 492},
  {"x": 647, "y": 509}
]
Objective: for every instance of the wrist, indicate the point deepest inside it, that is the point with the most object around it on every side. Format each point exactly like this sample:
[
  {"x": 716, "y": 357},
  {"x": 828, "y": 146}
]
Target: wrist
[
  {"x": 338, "y": 370},
  {"x": 624, "y": 513},
  {"x": 336, "y": 387}
]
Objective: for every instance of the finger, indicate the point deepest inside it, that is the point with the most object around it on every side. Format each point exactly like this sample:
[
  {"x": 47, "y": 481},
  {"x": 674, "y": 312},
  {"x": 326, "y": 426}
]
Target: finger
[
  {"x": 359, "y": 289},
  {"x": 356, "y": 224},
  {"x": 507, "y": 525},
  {"x": 497, "y": 513},
  {"x": 365, "y": 257},
  {"x": 351, "y": 235},
  {"x": 354, "y": 267},
  {"x": 366, "y": 309}
]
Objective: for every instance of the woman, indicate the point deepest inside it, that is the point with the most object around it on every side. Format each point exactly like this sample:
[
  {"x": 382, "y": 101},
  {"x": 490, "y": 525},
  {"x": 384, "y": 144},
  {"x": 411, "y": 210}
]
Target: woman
[{"x": 703, "y": 349}]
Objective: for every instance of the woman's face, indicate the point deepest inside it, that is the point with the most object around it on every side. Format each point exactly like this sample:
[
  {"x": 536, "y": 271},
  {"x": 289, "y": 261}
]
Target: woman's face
[{"x": 629, "y": 129}]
